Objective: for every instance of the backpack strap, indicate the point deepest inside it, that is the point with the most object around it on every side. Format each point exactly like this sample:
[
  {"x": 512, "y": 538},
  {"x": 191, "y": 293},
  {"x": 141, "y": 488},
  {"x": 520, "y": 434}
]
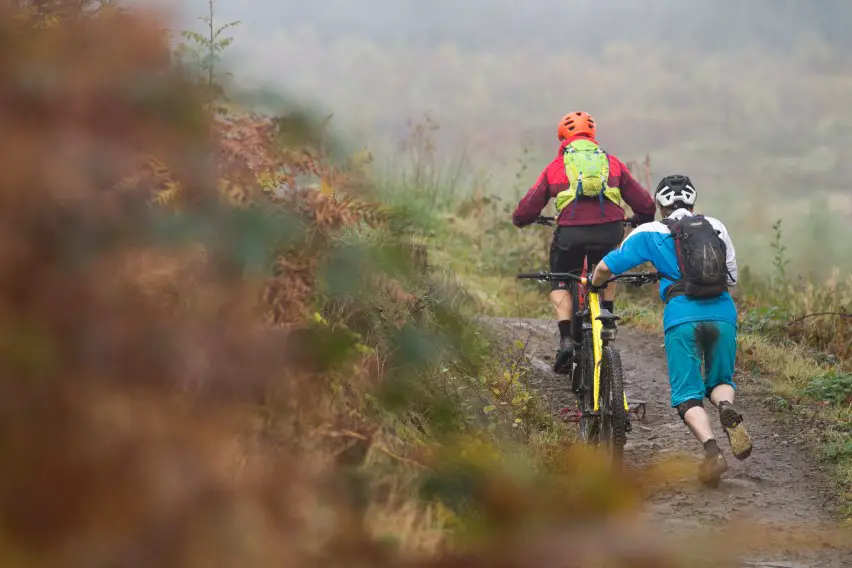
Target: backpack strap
[
  {"x": 678, "y": 287},
  {"x": 673, "y": 291},
  {"x": 606, "y": 178},
  {"x": 600, "y": 151},
  {"x": 571, "y": 150}
]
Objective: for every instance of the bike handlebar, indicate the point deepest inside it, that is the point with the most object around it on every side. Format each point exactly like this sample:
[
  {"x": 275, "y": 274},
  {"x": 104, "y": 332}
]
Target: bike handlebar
[
  {"x": 551, "y": 221},
  {"x": 634, "y": 278},
  {"x": 542, "y": 220}
]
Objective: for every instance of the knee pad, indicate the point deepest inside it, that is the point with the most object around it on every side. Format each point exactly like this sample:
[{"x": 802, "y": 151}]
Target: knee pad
[{"x": 683, "y": 407}]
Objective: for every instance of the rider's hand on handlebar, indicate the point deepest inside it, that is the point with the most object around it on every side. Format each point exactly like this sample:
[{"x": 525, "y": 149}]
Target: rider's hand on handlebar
[{"x": 592, "y": 288}]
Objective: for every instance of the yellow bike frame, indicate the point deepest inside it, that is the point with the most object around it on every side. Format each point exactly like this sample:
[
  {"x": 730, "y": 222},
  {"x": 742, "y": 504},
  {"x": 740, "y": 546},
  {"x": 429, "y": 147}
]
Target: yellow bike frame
[{"x": 593, "y": 298}]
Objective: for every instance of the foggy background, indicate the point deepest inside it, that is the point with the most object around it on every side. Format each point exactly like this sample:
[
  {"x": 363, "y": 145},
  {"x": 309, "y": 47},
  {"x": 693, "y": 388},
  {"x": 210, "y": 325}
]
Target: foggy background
[{"x": 751, "y": 99}]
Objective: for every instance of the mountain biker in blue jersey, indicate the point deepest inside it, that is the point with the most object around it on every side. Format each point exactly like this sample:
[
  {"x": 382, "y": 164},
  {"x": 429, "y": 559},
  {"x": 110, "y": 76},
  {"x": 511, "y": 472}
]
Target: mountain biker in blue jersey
[{"x": 696, "y": 258}]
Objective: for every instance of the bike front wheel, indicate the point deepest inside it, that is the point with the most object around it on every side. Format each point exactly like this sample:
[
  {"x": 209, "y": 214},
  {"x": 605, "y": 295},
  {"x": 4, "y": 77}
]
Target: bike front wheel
[
  {"x": 589, "y": 420},
  {"x": 613, "y": 417}
]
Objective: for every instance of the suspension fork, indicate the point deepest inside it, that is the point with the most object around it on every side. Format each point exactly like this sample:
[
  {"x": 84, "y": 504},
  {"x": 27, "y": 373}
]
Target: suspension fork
[{"x": 594, "y": 303}]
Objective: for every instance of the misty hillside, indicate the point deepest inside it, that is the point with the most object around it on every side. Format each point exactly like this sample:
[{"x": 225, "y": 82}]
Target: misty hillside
[
  {"x": 503, "y": 24},
  {"x": 749, "y": 98}
]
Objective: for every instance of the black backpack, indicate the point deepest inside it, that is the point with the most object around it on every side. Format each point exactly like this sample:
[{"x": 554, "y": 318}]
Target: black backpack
[{"x": 701, "y": 257}]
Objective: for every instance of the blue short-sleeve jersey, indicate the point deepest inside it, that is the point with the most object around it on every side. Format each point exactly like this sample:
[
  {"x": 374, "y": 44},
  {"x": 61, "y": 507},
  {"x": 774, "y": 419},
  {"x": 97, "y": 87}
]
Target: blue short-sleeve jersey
[{"x": 652, "y": 242}]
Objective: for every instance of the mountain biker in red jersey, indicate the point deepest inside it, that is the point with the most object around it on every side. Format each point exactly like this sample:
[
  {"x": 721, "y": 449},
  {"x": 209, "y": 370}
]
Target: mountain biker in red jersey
[{"x": 588, "y": 185}]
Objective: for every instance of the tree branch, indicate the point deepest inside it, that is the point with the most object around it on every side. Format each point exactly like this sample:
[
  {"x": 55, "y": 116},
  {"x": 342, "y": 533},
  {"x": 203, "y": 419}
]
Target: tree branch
[
  {"x": 382, "y": 449},
  {"x": 797, "y": 320}
]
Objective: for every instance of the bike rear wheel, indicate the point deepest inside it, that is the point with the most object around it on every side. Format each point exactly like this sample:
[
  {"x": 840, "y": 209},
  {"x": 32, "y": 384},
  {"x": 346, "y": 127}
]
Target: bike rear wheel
[
  {"x": 578, "y": 303},
  {"x": 613, "y": 417}
]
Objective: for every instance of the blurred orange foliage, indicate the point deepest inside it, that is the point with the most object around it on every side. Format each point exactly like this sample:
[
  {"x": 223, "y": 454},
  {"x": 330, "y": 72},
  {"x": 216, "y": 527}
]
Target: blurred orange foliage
[{"x": 104, "y": 322}]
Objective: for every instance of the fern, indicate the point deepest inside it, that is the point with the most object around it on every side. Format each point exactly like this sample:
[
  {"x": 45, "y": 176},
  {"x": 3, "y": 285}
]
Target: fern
[
  {"x": 169, "y": 195},
  {"x": 206, "y": 51},
  {"x": 780, "y": 260}
]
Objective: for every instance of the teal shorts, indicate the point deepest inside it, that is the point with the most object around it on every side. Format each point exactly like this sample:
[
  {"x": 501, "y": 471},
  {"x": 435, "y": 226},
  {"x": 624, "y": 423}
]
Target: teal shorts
[{"x": 688, "y": 345}]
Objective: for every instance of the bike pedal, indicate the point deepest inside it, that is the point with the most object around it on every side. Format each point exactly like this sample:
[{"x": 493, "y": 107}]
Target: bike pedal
[
  {"x": 638, "y": 408},
  {"x": 628, "y": 427},
  {"x": 569, "y": 414}
]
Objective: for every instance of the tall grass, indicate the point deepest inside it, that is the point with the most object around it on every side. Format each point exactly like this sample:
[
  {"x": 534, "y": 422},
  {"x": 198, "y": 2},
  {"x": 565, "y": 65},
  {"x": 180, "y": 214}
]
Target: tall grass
[
  {"x": 815, "y": 313},
  {"x": 465, "y": 225}
]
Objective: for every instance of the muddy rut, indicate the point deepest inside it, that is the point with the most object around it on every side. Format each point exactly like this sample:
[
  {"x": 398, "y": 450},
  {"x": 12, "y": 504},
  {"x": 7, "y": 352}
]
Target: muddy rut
[{"x": 779, "y": 485}]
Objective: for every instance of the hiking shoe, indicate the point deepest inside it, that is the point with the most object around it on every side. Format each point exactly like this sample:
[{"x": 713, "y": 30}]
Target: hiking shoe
[
  {"x": 732, "y": 422},
  {"x": 563, "y": 363},
  {"x": 712, "y": 468}
]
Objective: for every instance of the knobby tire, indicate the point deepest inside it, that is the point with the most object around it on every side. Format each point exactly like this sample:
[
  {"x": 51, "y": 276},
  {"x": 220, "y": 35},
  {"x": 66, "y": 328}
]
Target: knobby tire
[{"x": 613, "y": 416}]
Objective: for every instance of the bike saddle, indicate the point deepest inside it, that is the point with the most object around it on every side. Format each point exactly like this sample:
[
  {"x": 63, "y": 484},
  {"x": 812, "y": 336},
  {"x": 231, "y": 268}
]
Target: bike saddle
[{"x": 607, "y": 316}]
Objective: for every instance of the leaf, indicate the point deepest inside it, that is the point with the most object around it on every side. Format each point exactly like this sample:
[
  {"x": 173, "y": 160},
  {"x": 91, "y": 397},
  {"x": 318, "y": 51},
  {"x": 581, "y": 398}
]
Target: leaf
[
  {"x": 520, "y": 398},
  {"x": 195, "y": 36},
  {"x": 233, "y": 24},
  {"x": 489, "y": 409},
  {"x": 169, "y": 195}
]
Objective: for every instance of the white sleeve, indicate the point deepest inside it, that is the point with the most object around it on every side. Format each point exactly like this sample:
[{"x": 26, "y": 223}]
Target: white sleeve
[{"x": 731, "y": 257}]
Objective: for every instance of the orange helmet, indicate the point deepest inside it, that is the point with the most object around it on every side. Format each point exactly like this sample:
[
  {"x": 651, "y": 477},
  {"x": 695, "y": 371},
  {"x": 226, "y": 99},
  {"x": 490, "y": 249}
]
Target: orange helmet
[{"x": 576, "y": 123}]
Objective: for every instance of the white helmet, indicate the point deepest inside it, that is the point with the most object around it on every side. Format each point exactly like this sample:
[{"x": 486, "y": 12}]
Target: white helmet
[{"x": 675, "y": 189}]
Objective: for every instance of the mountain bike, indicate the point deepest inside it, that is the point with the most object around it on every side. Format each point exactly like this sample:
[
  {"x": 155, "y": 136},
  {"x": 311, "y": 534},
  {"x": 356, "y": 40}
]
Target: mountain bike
[
  {"x": 578, "y": 290},
  {"x": 597, "y": 377}
]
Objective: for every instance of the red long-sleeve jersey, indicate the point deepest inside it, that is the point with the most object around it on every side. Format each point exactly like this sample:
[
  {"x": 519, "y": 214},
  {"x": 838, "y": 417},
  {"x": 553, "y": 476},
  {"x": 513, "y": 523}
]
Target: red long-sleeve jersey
[{"x": 585, "y": 211}]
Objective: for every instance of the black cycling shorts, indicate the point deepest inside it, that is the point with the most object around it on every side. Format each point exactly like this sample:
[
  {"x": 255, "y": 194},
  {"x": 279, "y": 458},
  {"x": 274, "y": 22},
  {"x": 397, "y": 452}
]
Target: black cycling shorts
[{"x": 571, "y": 244}]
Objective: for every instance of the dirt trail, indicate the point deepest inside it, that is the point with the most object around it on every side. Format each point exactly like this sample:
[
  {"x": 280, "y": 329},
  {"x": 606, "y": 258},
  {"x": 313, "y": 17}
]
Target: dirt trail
[{"x": 778, "y": 485}]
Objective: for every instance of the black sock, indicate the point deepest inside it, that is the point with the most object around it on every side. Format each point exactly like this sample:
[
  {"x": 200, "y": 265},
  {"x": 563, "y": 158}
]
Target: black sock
[
  {"x": 608, "y": 305},
  {"x": 711, "y": 447},
  {"x": 564, "y": 329}
]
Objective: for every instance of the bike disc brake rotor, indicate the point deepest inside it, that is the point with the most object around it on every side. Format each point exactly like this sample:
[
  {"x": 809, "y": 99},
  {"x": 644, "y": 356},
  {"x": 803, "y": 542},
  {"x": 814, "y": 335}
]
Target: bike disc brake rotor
[
  {"x": 589, "y": 429},
  {"x": 590, "y": 424}
]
